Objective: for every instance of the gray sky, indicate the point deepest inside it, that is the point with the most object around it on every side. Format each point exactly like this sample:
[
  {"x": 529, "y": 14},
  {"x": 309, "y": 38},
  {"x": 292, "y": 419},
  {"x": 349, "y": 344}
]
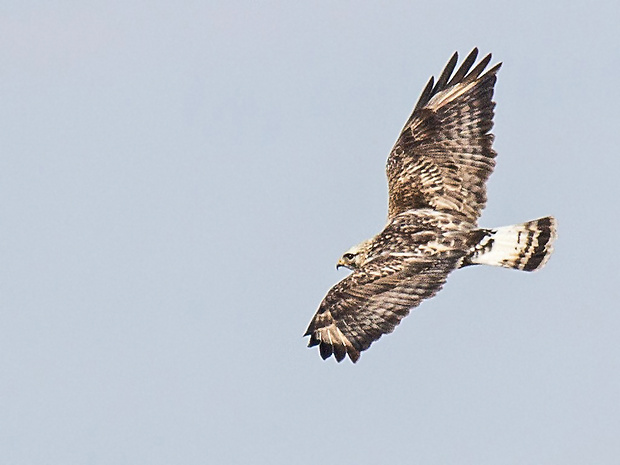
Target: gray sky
[{"x": 179, "y": 179}]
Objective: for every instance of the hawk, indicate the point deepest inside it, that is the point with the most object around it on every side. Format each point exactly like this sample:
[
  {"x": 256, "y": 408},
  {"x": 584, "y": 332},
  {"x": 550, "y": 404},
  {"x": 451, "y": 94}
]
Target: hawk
[{"x": 436, "y": 173}]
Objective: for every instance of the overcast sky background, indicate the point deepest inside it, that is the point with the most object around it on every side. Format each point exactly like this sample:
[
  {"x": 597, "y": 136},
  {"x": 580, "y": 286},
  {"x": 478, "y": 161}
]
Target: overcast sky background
[{"x": 178, "y": 180}]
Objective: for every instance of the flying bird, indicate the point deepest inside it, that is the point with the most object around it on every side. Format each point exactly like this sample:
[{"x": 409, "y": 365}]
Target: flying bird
[{"x": 436, "y": 173}]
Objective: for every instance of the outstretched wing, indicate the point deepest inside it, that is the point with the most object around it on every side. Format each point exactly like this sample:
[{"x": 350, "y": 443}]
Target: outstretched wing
[
  {"x": 371, "y": 301},
  {"x": 444, "y": 154}
]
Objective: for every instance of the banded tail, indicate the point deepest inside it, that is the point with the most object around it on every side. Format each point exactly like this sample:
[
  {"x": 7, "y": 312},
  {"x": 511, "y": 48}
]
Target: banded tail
[{"x": 525, "y": 246}]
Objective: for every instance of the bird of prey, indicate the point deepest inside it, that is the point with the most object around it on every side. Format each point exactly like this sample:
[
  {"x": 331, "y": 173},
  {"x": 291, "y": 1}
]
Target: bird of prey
[{"x": 436, "y": 173}]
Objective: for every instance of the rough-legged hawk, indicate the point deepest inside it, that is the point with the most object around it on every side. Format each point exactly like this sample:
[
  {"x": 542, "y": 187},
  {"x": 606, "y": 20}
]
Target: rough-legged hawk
[{"x": 436, "y": 176}]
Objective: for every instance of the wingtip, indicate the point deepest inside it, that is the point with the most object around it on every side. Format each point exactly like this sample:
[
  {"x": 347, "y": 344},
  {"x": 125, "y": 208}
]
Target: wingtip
[
  {"x": 339, "y": 349},
  {"x": 496, "y": 67},
  {"x": 340, "y": 352},
  {"x": 472, "y": 55},
  {"x": 326, "y": 350},
  {"x": 313, "y": 341}
]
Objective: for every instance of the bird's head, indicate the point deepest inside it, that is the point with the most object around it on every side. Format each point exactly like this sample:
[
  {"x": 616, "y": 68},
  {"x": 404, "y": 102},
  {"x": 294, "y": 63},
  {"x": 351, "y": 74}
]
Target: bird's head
[{"x": 354, "y": 257}]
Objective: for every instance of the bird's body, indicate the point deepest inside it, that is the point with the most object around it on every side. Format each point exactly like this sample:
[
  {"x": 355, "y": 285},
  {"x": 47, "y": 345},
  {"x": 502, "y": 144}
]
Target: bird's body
[{"x": 436, "y": 177}]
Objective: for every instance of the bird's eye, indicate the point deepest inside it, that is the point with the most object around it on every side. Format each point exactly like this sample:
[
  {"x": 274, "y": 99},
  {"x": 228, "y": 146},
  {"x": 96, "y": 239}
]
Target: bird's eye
[{"x": 349, "y": 256}]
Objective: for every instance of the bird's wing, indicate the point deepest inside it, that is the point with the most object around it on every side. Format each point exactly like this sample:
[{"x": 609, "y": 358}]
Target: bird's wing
[
  {"x": 372, "y": 300},
  {"x": 444, "y": 154}
]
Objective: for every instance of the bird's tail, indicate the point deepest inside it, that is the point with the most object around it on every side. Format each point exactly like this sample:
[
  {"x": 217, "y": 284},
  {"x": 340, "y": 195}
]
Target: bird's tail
[{"x": 525, "y": 246}]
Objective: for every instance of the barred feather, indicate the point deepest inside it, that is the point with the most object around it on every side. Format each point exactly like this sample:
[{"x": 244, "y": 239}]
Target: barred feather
[
  {"x": 446, "y": 135},
  {"x": 525, "y": 246}
]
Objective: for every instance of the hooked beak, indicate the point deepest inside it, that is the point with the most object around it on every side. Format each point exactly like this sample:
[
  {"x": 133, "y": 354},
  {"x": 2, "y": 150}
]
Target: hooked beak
[{"x": 339, "y": 264}]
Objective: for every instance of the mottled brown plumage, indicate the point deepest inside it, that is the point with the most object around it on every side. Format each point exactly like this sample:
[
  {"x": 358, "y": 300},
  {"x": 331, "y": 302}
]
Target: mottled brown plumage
[
  {"x": 436, "y": 173},
  {"x": 444, "y": 154}
]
